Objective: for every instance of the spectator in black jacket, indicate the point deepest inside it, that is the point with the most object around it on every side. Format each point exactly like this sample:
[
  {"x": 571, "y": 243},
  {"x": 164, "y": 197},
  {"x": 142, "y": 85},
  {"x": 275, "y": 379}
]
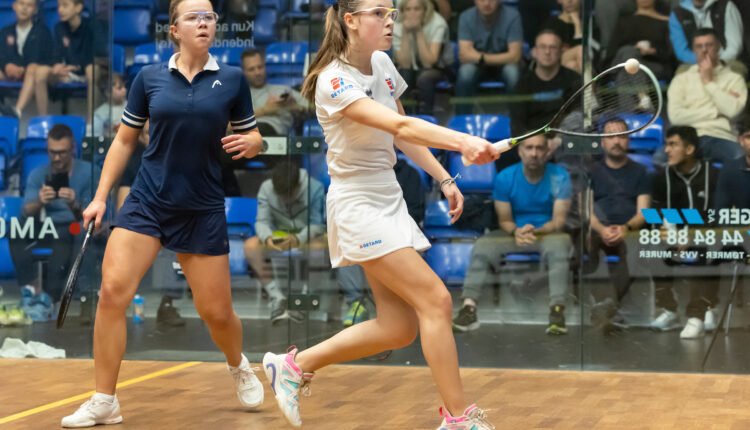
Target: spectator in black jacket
[
  {"x": 24, "y": 46},
  {"x": 77, "y": 39},
  {"x": 688, "y": 182}
]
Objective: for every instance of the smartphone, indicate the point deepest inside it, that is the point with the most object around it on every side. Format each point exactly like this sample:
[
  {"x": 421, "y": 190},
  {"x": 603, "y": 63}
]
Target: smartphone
[{"x": 57, "y": 180}]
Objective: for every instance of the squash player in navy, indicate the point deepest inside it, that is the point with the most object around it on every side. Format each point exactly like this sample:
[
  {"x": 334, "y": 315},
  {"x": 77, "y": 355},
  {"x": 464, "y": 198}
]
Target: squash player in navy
[{"x": 176, "y": 201}]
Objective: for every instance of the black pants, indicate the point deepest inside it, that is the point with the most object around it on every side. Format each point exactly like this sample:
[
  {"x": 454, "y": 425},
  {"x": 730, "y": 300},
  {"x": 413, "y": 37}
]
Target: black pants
[
  {"x": 423, "y": 82},
  {"x": 619, "y": 273},
  {"x": 703, "y": 294}
]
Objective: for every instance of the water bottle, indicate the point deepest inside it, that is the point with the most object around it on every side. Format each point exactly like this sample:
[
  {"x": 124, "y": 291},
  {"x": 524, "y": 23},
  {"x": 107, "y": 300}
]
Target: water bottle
[{"x": 138, "y": 309}]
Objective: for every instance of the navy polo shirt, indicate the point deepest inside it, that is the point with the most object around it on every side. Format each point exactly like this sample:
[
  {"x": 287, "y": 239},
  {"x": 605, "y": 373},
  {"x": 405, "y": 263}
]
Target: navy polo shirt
[
  {"x": 78, "y": 47},
  {"x": 36, "y": 49},
  {"x": 187, "y": 120}
]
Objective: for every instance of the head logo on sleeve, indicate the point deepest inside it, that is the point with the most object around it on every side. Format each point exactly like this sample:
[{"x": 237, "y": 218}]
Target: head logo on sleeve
[
  {"x": 339, "y": 87},
  {"x": 11, "y": 40},
  {"x": 389, "y": 81}
]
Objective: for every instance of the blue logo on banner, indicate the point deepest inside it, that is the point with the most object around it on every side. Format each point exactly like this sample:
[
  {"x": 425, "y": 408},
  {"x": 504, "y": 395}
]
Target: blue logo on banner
[{"x": 672, "y": 216}]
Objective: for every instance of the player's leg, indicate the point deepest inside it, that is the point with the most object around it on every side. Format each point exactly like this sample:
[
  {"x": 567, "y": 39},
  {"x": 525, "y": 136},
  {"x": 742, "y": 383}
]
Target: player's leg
[
  {"x": 209, "y": 279},
  {"x": 126, "y": 259},
  {"x": 396, "y": 326}
]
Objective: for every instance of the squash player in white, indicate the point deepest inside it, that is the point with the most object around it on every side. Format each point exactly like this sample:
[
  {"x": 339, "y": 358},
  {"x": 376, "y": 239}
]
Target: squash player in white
[{"x": 356, "y": 90}]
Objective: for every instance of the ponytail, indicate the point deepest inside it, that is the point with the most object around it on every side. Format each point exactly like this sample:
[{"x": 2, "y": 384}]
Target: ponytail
[{"x": 335, "y": 43}]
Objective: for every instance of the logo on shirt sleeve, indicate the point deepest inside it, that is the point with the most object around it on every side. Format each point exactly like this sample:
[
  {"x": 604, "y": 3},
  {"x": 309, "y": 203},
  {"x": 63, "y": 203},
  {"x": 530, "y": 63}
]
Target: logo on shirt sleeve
[
  {"x": 66, "y": 41},
  {"x": 389, "y": 81},
  {"x": 339, "y": 87},
  {"x": 11, "y": 40}
]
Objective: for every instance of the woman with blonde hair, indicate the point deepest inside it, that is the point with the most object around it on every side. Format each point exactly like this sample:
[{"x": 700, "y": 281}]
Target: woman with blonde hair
[
  {"x": 356, "y": 90},
  {"x": 176, "y": 201},
  {"x": 422, "y": 49}
]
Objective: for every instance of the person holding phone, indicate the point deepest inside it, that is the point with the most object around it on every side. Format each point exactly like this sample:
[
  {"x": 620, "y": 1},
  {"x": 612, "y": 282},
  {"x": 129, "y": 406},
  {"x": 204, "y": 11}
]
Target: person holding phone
[
  {"x": 287, "y": 218},
  {"x": 56, "y": 191},
  {"x": 176, "y": 201},
  {"x": 278, "y": 105}
]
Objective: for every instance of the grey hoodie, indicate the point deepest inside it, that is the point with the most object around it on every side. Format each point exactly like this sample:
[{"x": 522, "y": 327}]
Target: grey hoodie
[{"x": 278, "y": 213}]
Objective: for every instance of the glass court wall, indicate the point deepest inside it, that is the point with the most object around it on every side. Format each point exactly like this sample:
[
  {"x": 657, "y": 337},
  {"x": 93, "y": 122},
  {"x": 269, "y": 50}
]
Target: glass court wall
[{"x": 567, "y": 254}]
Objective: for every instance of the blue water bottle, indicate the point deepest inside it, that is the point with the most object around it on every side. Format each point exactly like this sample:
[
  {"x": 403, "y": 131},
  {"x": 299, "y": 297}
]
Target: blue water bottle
[{"x": 138, "y": 309}]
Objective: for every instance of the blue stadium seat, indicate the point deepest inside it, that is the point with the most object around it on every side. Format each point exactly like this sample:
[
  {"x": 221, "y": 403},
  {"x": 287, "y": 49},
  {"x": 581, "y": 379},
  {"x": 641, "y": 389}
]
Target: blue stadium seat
[
  {"x": 7, "y": 17},
  {"x": 265, "y": 27},
  {"x": 437, "y": 223},
  {"x": 286, "y": 58},
  {"x": 8, "y": 135},
  {"x": 312, "y": 128},
  {"x": 645, "y": 159},
  {"x": 450, "y": 261},
  {"x": 51, "y": 17},
  {"x": 279, "y": 5},
  {"x": 237, "y": 262},
  {"x": 315, "y": 163},
  {"x": 474, "y": 178},
  {"x": 228, "y": 55},
  {"x": 241, "y": 213},
  {"x": 118, "y": 59},
  {"x": 424, "y": 176},
  {"x": 3, "y": 163},
  {"x": 148, "y": 53},
  {"x": 648, "y": 139},
  {"x": 522, "y": 257},
  {"x": 9, "y": 207},
  {"x": 428, "y": 118},
  {"x": 39, "y": 127},
  {"x": 131, "y": 24},
  {"x": 29, "y": 162},
  {"x": 287, "y": 81},
  {"x": 490, "y": 127}
]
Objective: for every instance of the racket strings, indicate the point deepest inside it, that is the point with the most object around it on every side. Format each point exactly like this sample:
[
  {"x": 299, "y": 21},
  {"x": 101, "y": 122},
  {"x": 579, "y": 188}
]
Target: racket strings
[{"x": 612, "y": 95}]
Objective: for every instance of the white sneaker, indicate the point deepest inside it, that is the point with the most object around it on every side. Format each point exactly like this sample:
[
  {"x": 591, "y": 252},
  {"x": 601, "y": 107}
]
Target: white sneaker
[
  {"x": 472, "y": 419},
  {"x": 287, "y": 380},
  {"x": 667, "y": 321},
  {"x": 249, "y": 388},
  {"x": 709, "y": 321},
  {"x": 94, "y": 412},
  {"x": 693, "y": 329}
]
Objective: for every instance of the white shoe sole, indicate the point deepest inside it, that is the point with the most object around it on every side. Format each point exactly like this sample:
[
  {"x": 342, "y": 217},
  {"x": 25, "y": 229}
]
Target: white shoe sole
[
  {"x": 268, "y": 360},
  {"x": 115, "y": 420}
]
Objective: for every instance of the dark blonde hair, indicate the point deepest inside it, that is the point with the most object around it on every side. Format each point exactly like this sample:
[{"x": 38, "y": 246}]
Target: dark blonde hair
[
  {"x": 429, "y": 10},
  {"x": 334, "y": 43}
]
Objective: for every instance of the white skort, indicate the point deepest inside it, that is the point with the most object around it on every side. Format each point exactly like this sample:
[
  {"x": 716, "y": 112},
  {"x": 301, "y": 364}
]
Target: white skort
[{"x": 368, "y": 218}]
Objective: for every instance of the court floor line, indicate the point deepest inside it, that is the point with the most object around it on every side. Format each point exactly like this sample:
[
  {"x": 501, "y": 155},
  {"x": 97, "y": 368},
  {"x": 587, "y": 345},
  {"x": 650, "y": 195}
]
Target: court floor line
[{"x": 123, "y": 384}]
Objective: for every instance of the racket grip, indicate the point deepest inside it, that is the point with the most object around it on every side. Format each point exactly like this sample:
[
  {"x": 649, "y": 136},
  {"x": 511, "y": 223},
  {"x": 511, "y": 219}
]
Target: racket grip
[{"x": 502, "y": 146}]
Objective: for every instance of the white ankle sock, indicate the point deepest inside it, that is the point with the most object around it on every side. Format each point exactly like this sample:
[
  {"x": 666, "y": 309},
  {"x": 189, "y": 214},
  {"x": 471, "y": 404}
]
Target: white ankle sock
[
  {"x": 242, "y": 361},
  {"x": 104, "y": 397}
]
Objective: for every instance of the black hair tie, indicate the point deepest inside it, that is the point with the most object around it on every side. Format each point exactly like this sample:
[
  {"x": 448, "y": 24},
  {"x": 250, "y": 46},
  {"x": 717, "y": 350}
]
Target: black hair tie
[{"x": 336, "y": 6}]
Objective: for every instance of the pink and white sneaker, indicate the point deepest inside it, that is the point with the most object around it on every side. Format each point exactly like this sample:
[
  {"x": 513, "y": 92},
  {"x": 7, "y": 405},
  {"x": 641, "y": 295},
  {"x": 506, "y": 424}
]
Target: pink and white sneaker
[
  {"x": 472, "y": 419},
  {"x": 287, "y": 380}
]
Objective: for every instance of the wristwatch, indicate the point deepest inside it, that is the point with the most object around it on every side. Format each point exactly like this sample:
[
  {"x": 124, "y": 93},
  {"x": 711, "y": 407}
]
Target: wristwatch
[{"x": 481, "y": 60}]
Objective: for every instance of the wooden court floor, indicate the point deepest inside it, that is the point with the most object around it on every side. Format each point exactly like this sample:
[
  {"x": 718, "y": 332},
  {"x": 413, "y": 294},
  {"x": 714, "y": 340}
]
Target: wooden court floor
[{"x": 35, "y": 394}]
